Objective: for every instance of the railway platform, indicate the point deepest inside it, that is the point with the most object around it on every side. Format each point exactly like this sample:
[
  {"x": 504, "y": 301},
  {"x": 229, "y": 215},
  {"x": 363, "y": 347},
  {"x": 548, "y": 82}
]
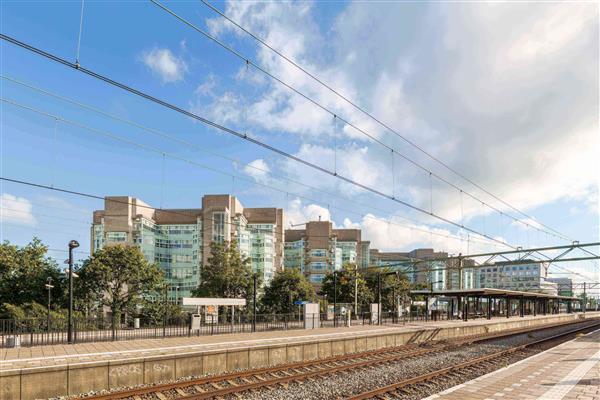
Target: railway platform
[
  {"x": 570, "y": 371},
  {"x": 56, "y": 370}
]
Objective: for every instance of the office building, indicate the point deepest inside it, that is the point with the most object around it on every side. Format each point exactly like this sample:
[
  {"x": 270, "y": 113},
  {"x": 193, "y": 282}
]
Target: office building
[
  {"x": 427, "y": 268},
  {"x": 319, "y": 249},
  {"x": 524, "y": 276},
  {"x": 179, "y": 240},
  {"x": 564, "y": 286}
]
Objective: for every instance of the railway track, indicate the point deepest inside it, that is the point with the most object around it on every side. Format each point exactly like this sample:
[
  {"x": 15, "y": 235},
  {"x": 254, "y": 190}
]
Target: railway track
[
  {"x": 235, "y": 384},
  {"x": 406, "y": 387}
]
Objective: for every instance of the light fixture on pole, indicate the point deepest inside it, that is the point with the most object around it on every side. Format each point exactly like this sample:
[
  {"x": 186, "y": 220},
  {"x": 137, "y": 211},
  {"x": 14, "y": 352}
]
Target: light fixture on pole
[
  {"x": 73, "y": 244},
  {"x": 49, "y": 287}
]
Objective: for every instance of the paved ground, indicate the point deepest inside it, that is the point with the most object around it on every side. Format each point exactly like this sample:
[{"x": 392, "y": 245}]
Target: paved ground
[
  {"x": 31, "y": 357},
  {"x": 570, "y": 371}
]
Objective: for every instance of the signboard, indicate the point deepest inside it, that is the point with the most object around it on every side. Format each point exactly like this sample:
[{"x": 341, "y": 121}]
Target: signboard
[
  {"x": 212, "y": 301},
  {"x": 311, "y": 316},
  {"x": 300, "y": 302},
  {"x": 374, "y": 313},
  {"x": 211, "y": 314}
]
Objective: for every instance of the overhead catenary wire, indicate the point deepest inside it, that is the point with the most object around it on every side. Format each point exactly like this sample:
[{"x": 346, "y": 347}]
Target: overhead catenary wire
[
  {"x": 164, "y": 154},
  {"x": 377, "y": 120},
  {"x": 118, "y": 201},
  {"x": 195, "y": 146},
  {"x": 234, "y": 132},
  {"x": 326, "y": 109}
]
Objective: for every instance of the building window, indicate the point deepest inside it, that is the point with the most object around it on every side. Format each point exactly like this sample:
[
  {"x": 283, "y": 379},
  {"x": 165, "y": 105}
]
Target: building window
[{"x": 218, "y": 227}]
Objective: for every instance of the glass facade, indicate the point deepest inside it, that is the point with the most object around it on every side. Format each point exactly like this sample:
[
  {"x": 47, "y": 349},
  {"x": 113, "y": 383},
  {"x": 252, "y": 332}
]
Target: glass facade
[
  {"x": 294, "y": 255},
  {"x": 262, "y": 250},
  {"x": 176, "y": 248}
]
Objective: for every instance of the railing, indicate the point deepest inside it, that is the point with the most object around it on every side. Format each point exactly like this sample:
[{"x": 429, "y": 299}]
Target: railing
[{"x": 37, "y": 331}]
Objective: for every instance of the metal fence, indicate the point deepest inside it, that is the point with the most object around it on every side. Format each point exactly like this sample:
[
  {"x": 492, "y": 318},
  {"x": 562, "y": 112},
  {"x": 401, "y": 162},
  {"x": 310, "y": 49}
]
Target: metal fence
[{"x": 38, "y": 331}]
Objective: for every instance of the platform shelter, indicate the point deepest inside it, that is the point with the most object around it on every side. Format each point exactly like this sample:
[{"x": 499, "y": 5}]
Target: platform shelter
[{"x": 488, "y": 303}]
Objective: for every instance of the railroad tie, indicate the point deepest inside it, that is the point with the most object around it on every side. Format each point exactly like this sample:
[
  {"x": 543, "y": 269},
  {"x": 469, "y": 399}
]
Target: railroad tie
[
  {"x": 199, "y": 389},
  {"x": 161, "y": 396},
  {"x": 180, "y": 392}
]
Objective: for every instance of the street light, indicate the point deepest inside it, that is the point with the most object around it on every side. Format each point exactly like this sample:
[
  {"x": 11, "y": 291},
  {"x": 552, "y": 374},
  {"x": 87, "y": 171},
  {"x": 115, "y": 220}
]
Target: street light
[
  {"x": 73, "y": 244},
  {"x": 49, "y": 287}
]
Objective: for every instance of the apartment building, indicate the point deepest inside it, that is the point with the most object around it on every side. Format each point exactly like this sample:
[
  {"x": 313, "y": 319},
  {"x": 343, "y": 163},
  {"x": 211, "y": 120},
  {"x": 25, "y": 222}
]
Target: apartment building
[
  {"x": 320, "y": 249},
  {"x": 524, "y": 276},
  {"x": 179, "y": 240}
]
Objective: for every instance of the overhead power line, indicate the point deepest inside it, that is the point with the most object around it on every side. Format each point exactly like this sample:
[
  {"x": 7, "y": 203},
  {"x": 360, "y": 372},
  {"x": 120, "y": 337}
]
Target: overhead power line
[
  {"x": 240, "y": 135},
  {"x": 163, "y": 134},
  {"x": 248, "y": 61},
  {"x": 163, "y": 153}
]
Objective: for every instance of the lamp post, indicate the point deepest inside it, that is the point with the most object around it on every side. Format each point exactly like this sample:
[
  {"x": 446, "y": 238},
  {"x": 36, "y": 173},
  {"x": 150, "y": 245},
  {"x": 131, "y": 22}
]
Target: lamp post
[
  {"x": 255, "y": 284},
  {"x": 334, "y": 297},
  {"x": 73, "y": 244},
  {"x": 49, "y": 287}
]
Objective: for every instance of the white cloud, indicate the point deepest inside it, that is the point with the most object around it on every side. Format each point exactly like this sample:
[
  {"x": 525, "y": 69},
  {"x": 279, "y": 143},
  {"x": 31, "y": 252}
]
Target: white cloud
[
  {"x": 16, "y": 210},
  {"x": 165, "y": 64},
  {"x": 297, "y": 213},
  {"x": 513, "y": 109},
  {"x": 391, "y": 233},
  {"x": 258, "y": 169}
]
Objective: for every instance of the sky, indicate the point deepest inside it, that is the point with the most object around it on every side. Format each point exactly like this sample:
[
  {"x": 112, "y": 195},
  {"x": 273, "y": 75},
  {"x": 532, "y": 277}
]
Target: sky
[{"x": 504, "y": 94}]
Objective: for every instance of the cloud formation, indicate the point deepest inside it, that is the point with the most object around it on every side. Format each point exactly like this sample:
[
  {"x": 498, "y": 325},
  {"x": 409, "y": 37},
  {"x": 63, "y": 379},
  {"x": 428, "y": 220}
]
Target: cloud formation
[
  {"x": 164, "y": 64},
  {"x": 16, "y": 210},
  {"x": 513, "y": 109}
]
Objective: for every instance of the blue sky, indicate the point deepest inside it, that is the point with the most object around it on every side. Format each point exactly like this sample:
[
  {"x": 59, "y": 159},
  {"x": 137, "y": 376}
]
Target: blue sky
[{"x": 507, "y": 94}]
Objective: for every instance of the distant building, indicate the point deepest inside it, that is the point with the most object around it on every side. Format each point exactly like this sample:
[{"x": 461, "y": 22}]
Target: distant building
[
  {"x": 179, "y": 240},
  {"x": 564, "y": 286},
  {"x": 319, "y": 249},
  {"x": 525, "y": 276},
  {"x": 427, "y": 267}
]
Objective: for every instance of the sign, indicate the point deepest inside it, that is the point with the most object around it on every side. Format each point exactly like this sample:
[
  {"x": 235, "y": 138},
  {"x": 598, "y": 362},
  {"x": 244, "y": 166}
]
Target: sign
[
  {"x": 330, "y": 312},
  {"x": 300, "y": 302}
]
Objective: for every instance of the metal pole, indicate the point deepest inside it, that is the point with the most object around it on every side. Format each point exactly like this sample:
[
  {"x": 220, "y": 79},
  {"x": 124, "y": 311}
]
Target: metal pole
[
  {"x": 584, "y": 297},
  {"x": 49, "y": 286},
  {"x": 356, "y": 290},
  {"x": 254, "y": 277},
  {"x": 379, "y": 298},
  {"x": 394, "y": 305},
  {"x": 70, "y": 313},
  {"x": 165, "y": 313},
  {"x": 334, "y": 297},
  {"x": 48, "y": 327}
]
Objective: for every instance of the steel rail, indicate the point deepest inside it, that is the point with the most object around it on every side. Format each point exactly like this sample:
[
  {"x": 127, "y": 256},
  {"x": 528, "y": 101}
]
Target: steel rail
[
  {"x": 467, "y": 364},
  {"x": 323, "y": 366}
]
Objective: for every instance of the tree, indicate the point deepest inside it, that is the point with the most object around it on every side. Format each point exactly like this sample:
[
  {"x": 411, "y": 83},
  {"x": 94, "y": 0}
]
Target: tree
[
  {"x": 117, "y": 276},
  {"x": 153, "y": 311},
  {"x": 23, "y": 274},
  {"x": 227, "y": 273},
  {"x": 392, "y": 283},
  {"x": 286, "y": 287},
  {"x": 345, "y": 285}
]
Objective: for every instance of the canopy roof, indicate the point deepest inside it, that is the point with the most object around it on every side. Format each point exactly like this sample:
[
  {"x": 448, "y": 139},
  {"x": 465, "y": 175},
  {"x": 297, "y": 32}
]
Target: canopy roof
[{"x": 490, "y": 292}]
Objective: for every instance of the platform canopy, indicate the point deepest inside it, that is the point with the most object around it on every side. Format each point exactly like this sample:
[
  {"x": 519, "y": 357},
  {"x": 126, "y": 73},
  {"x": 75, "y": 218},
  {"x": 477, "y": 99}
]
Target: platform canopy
[
  {"x": 212, "y": 301},
  {"x": 490, "y": 292}
]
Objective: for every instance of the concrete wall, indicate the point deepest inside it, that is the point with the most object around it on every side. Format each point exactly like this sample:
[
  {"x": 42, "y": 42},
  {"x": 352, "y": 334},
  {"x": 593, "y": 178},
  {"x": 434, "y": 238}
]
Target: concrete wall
[{"x": 44, "y": 382}]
